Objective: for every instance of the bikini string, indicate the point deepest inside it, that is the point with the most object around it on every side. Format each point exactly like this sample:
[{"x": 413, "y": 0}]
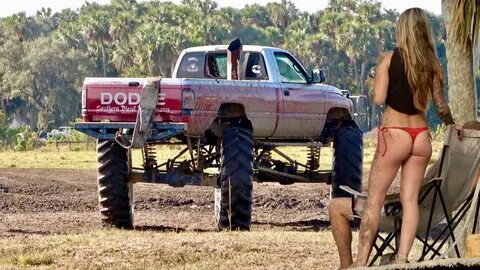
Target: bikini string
[{"x": 383, "y": 130}]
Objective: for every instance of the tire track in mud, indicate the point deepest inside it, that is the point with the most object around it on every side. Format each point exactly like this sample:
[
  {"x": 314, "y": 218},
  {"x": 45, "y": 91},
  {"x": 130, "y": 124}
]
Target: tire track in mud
[{"x": 53, "y": 201}]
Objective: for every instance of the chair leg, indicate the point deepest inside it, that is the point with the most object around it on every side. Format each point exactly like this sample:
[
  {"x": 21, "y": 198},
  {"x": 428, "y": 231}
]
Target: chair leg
[
  {"x": 458, "y": 216},
  {"x": 449, "y": 223},
  {"x": 398, "y": 227},
  {"x": 385, "y": 244},
  {"x": 377, "y": 248},
  {"x": 429, "y": 224},
  {"x": 429, "y": 248},
  {"x": 475, "y": 221}
]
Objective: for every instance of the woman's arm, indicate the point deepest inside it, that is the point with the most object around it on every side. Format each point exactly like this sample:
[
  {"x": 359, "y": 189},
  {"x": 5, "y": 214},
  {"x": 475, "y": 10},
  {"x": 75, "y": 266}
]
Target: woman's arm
[
  {"x": 443, "y": 109},
  {"x": 379, "y": 94},
  {"x": 441, "y": 104}
]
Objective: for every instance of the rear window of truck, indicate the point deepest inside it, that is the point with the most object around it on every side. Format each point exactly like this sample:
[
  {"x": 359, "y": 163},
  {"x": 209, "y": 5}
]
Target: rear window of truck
[
  {"x": 253, "y": 67},
  {"x": 214, "y": 65},
  {"x": 192, "y": 65}
]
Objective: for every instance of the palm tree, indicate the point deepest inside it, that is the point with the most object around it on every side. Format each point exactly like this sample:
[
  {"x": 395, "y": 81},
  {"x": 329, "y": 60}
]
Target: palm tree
[
  {"x": 95, "y": 23},
  {"x": 282, "y": 14},
  {"x": 21, "y": 26},
  {"x": 462, "y": 20}
]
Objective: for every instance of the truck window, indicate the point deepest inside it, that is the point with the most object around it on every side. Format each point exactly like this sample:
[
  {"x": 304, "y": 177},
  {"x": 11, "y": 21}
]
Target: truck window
[
  {"x": 290, "y": 71},
  {"x": 254, "y": 66},
  {"x": 192, "y": 65},
  {"x": 216, "y": 66}
]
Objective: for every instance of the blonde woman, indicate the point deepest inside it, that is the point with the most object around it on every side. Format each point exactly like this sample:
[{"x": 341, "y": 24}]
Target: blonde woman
[{"x": 405, "y": 80}]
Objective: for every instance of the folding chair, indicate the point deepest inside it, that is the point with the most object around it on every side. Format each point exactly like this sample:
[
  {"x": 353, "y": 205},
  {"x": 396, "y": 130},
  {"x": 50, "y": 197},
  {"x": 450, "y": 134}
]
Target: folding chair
[{"x": 446, "y": 197}]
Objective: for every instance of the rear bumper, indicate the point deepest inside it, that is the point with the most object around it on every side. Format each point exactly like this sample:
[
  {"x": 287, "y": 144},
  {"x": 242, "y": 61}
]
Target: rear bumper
[{"x": 107, "y": 130}]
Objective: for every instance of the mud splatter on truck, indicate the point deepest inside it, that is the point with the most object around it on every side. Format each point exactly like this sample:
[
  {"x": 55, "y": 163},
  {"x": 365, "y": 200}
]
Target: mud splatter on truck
[{"x": 231, "y": 107}]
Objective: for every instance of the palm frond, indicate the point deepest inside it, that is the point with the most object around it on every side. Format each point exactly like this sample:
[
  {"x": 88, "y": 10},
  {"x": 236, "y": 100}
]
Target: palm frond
[
  {"x": 465, "y": 24},
  {"x": 476, "y": 24}
]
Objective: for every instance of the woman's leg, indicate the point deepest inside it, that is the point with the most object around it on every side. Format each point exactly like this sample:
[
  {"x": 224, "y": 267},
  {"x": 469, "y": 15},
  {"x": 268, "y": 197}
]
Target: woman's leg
[
  {"x": 383, "y": 171},
  {"x": 413, "y": 170}
]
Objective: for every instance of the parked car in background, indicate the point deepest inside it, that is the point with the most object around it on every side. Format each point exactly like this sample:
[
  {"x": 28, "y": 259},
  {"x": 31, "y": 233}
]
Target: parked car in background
[
  {"x": 360, "y": 111},
  {"x": 64, "y": 131}
]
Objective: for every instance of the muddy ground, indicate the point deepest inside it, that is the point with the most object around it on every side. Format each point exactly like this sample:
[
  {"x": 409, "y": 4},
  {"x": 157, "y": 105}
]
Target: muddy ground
[{"x": 52, "y": 201}]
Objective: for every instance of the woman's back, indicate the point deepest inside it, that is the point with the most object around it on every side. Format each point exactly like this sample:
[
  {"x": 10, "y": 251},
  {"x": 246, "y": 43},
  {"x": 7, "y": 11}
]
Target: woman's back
[
  {"x": 400, "y": 110},
  {"x": 400, "y": 96}
]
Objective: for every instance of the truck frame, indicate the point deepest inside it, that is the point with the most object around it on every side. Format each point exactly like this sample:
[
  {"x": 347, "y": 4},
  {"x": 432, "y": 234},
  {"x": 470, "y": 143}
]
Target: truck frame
[{"x": 223, "y": 119}]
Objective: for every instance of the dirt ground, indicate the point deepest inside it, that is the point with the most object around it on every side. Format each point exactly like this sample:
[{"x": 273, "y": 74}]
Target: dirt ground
[{"x": 52, "y": 201}]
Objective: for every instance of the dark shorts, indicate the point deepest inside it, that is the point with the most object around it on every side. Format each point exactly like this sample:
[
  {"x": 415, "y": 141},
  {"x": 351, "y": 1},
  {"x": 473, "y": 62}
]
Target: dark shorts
[{"x": 353, "y": 182}]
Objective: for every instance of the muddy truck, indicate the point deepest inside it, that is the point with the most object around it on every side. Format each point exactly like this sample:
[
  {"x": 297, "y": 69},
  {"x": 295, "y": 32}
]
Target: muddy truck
[{"x": 233, "y": 108}]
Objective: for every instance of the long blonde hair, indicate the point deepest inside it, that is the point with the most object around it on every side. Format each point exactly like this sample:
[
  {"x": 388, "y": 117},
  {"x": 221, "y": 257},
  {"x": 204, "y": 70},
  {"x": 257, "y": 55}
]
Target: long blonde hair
[{"x": 415, "y": 43}]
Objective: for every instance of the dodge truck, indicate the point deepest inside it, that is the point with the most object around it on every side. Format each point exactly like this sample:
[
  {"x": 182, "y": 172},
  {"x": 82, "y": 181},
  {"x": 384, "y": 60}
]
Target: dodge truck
[{"x": 233, "y": 108}]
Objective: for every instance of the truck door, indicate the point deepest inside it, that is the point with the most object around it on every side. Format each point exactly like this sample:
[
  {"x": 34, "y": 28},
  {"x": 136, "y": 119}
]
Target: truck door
[
  {"x": 255, "y": 91},
  {"x": 264, "y": 97},
  {"x": 303, "y": 113}
]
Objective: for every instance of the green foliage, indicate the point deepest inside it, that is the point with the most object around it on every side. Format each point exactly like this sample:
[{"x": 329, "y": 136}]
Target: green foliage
[
  {"x": 439, "y": 133},
  {"x": 44, "y": 58},
  {"x": 3, "y": 129},
  {"x": 20, "y": 138},
  {"x": 432, "y": 116},
  {"x": 23, "y": 139},
  {"x": 76, "y": 135}
]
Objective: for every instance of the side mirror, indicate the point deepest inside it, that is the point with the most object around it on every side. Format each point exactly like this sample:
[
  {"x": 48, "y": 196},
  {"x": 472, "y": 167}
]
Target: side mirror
[
  {"x": 345, "y": 93},
  {"x": 318, "y": 76}
]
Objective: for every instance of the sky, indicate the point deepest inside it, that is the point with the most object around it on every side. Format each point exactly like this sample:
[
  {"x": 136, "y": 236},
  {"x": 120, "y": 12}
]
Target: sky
[{"x": 10, "y": 7}]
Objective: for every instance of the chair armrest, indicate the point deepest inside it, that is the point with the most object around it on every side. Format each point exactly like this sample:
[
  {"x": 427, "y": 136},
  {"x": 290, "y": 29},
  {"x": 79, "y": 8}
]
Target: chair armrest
[
  {"x": 352, "y": 191},
  {"x": 358, "y": 200},
  {"x": 433, "y": 180}
]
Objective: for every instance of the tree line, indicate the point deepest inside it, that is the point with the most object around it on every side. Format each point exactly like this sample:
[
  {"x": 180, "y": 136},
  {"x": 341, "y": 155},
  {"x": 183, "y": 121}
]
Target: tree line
[{"x": 45, "y": 57}]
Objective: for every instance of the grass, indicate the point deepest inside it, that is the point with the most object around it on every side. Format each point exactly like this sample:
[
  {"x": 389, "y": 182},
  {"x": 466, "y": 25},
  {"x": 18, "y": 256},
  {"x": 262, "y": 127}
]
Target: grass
[
  {"x": 115, "y": 249},
  {"x": 64, "y": 158},
  {"x": 46, "y": 158},
  {"x": 119, "y": 249}
]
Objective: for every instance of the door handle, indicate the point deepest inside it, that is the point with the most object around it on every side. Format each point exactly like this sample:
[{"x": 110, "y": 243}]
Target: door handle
[{"x": 286, "y": 93}]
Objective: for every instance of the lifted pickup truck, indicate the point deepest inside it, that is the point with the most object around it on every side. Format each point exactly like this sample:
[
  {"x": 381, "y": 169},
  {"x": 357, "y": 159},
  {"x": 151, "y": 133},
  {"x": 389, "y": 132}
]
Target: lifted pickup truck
[{"x": 231, "y": 107}]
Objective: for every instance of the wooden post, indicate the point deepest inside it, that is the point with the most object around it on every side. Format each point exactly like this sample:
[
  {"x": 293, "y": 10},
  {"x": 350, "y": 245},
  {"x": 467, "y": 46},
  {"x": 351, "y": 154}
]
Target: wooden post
[{"x": 233, "y": 59}]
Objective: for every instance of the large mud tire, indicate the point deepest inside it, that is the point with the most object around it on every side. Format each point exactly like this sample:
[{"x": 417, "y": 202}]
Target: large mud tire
[
  {"x": 115, "y": 193},
  {"x": 347, "y": 158},
  {"x": 236, "y": 176}
]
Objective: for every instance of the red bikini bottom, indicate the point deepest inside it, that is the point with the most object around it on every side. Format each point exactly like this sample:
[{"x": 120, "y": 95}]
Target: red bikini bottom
[{"x": 412, "y": 131}]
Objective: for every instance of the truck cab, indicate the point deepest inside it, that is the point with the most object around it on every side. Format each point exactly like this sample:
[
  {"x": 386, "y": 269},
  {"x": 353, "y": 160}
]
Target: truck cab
[
  {"x": 233, "y": 109},
  {"x": 277, "y": 94},
  {"x": 258, "y": 63}
]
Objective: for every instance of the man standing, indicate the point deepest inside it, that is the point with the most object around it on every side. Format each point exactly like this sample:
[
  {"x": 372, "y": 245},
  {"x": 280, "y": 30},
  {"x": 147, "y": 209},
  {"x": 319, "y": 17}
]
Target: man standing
[
  {"x": 340, "y": 207},
  {"x": 340, "y": 210}
]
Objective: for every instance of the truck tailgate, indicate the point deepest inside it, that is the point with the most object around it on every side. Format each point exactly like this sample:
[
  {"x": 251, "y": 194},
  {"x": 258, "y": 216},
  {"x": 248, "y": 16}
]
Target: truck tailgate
[{"x": 117, "y": 99}]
